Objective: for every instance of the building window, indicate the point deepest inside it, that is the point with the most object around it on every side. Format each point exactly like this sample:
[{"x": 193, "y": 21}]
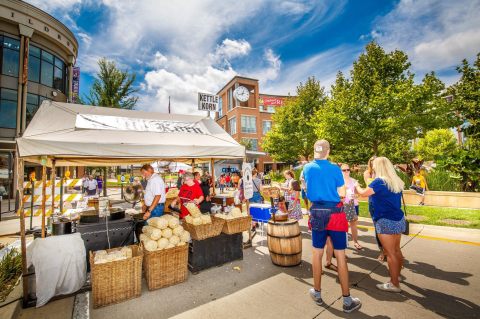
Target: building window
[
  {"x": 8, "y": 108},
  {"x": 34, "y": 64},
  {"x": 10, "y": 56},
  {"x": 266, "y": 127},
  {"x": 249, "y": 124},
  {"x": 220, "y": 108},
  {"x": 47, "y": 69},
  {"x": 232, "y": 124},
  {"x": 270, "y": 109},
  {"x": 230, "y": 99},
  {"x": 46, "y": 77},
  {"x": 252, "y": 143},
  {"x": 33, "y": 103}
]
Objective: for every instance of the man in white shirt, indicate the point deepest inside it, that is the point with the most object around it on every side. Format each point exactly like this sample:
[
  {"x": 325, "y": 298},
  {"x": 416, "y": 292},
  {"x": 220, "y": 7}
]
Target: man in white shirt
[
  {"x": 154, "y": 197},
  {"x": 92, "y": 186}
]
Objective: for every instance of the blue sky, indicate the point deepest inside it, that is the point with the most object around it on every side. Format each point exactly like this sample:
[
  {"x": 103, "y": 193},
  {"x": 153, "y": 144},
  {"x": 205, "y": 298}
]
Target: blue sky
[{"x": 178, "y": 48}]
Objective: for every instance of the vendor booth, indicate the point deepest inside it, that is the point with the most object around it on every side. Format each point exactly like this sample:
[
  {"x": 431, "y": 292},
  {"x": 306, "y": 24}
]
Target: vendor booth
[{"x": 62, "y": 134}]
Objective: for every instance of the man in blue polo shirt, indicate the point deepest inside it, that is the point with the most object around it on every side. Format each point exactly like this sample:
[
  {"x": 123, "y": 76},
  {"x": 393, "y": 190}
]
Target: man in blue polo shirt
[{"x": 324, "y": 183}]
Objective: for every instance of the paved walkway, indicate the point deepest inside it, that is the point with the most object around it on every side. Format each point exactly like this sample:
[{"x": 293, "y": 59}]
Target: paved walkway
[{"x": 442, "y": 281}]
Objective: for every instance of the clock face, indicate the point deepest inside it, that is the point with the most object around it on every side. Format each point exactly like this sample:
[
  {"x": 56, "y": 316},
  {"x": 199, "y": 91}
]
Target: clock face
[{"x": 241, "y": 93}]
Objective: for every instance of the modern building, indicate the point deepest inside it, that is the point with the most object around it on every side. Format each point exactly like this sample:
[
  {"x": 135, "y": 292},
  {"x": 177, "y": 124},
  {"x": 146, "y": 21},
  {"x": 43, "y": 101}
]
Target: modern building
[
  {"x": 37, "y": 54},
  {"x": 246, "y": 114}
]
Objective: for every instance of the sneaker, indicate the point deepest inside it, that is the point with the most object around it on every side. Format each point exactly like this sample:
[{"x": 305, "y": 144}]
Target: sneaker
[
  {"x": 389, "y": 287},
  {"x": 316, "y": 296},
  {"x": 354, "y": 305}
]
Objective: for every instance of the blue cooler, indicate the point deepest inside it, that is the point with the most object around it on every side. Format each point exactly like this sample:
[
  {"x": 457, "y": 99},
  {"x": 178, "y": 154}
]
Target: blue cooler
[{"x": 260, "y": 212}]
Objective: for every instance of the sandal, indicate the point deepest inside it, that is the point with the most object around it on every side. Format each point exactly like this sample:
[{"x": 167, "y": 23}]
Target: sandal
[
  {"x": 331, "y": 267},
  {"x": 357, "y": 246}
]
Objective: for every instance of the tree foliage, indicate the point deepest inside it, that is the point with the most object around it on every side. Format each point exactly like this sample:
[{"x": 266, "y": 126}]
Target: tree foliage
[
  {"x": 113, "y": 87},
  {"x": 465, "y": 162},
  {"x": 380, "y": 108},
  {"x": 436, "y": 144},
  {"x": 292, "y": 135}
]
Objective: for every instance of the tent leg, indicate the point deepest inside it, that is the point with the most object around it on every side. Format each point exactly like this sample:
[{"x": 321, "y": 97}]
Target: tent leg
[
  {"x": 105, "y": 182},
  {"x": 53, "y": 178},
  {"x": 23, "y": 245},
  {"x": 212, "y": 167},
  {"x": 44, "y": 198}
]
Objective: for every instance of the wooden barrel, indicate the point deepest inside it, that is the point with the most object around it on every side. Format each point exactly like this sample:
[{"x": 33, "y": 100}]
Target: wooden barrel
[{"x": 285, "y": 242}]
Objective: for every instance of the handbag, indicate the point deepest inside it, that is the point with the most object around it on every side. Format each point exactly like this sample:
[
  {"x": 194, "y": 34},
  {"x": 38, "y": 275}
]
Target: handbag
[
  {"x": 261, "y": 196},
  {"x": 350, "y": 212},
  {"x": 407, "y": 223}
]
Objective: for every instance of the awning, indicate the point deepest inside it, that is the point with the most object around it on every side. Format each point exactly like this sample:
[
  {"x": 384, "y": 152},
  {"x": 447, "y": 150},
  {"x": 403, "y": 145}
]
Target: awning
[{"x": 76, "y": 134}]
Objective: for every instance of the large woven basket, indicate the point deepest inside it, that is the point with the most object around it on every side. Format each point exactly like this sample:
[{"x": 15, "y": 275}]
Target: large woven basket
[
  {"x": 167, "y": 267},
  {"x": 116, "y": 281},
  {"x": 237, "y": 225},
  {"x": 201, "y": 232}
]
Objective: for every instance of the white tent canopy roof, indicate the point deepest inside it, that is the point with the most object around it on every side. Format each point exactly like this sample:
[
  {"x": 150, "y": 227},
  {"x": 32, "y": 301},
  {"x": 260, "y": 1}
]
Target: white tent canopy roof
[{"x": 76, "y": 134}]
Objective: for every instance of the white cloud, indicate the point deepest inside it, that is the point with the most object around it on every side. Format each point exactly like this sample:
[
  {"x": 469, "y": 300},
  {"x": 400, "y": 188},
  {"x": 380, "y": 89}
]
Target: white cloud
[
  {"x": 436, "y": 35},
  {"x": 232, "y": 48},
  {"x": 324, "y": 66}
]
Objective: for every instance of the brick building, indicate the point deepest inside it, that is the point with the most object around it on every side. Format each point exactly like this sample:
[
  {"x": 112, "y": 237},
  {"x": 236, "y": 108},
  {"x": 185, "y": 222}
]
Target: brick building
[{"x": 246, "y": 114}]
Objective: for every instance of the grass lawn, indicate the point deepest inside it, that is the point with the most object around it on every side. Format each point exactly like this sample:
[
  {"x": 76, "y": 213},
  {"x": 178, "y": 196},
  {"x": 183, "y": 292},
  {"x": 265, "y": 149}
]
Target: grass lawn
[{"x": 435, "y": 215}]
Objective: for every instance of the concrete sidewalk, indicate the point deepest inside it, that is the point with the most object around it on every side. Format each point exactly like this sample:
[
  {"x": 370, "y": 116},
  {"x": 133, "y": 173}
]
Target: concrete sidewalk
[{"x": 442, "y": 281}]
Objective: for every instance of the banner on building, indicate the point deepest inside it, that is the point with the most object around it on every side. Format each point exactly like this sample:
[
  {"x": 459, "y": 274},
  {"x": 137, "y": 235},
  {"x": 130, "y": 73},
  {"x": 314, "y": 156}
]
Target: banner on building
[
  {"x": 271, "y": 101},
  {"x": 75, "y": 84}
]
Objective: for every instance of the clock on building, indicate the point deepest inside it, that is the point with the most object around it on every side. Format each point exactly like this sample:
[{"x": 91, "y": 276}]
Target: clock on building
[{"x": 241, "y": 93}]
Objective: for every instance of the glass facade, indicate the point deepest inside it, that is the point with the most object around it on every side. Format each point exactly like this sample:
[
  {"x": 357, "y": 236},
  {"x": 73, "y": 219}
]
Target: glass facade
[
  {"x": 8, "y": 108},
  {"x": 33, "y": 102},
  {"x": 47, "y": 69},
  {"x": 249, "y": 124},
  {"x": 10, "y": 53},
  {"x": 6, "y": 173}
]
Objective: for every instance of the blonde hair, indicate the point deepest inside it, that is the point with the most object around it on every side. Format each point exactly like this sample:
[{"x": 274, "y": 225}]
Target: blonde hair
[{"x": 384, "y": 169}]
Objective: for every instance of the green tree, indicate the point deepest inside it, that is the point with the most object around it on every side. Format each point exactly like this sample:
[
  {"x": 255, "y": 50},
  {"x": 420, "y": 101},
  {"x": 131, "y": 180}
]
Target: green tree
[
  {"x": 292, "y": 135},
  {"x": 436, "y": 144},
  {"x": 112, "y": 87},
  {"x": 380, "y": 108},
  {"x": 465, "y": 162},
  {"x": 247, "y": 143}
]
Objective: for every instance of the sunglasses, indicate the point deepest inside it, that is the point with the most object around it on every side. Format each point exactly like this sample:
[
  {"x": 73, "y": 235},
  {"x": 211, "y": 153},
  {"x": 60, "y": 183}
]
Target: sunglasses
[{"x": 346, "y": 170}]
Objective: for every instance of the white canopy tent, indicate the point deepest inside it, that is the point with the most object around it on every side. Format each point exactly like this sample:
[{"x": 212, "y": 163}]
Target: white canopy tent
[
  {"x": 88, "y": 135},
  {"x": 62, "y": 134}
]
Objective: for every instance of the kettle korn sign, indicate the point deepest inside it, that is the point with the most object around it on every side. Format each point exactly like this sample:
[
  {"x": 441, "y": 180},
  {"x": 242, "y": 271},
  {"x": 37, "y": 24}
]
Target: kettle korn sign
[
  {"x": 208, "y": 102},
  {"x": 105, "y": 122}
]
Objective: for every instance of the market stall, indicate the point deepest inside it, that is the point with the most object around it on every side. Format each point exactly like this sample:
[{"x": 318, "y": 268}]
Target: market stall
[{"x": 62, "y": 134}]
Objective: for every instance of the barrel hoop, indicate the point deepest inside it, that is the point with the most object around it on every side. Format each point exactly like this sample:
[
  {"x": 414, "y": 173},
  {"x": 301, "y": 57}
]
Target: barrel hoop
[
  {"x": 277, "y": 254},
  {"x": 288, "y": 223},
  {"x": 288, "y": 237}
]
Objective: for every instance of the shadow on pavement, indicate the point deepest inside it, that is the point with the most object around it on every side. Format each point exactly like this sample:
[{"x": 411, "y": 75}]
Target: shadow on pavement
[
  {"x": 431, "y": 271},
  {"x": 443, "y": 304}
]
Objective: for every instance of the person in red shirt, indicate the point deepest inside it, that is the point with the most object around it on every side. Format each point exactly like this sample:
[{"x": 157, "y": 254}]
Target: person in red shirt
[
  {"x": 228, "y": 179},
  {"x": 190, "y": 191}
]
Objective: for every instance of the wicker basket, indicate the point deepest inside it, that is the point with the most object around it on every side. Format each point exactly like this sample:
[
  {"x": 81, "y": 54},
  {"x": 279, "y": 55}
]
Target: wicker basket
[
  {"x": 237, "y": 225},
  {"x": 201, "y": 232},
  {"x": 116, "y": 281},
  {"x": 163, "y": 268}
]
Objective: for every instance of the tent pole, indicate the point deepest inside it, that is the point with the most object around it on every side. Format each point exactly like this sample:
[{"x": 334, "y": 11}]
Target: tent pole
[
  {"x": 53, "y": 178},
  {"x": 44, "y": 197},
  {"x": 212, "y": 165},
  {"x": 105, "y": 182},
  {"x": 23, "y": 244},
  {"x": 247, "y": 204}
]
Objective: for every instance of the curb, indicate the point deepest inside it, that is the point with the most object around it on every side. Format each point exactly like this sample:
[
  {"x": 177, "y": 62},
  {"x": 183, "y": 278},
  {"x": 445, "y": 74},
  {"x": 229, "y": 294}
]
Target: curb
[{"x": 466, "y": 236}]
